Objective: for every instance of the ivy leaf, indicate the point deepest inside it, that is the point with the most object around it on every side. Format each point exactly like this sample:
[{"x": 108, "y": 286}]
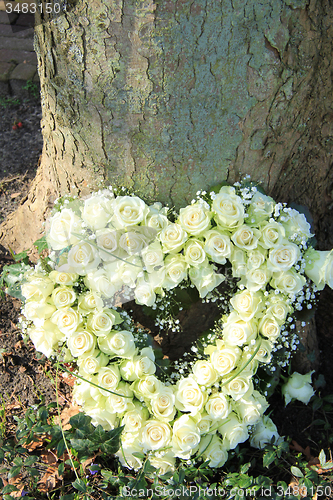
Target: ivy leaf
[
  {"x": 268, "y": 458},
  {"x": 41, "y": 244},
  {"x": 296, "y": 471},
  {"x": 112, "y": 445}
]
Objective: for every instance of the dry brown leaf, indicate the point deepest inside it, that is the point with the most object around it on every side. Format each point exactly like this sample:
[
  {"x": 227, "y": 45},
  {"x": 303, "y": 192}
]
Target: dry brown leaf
[
  {"x": 68, "y": 379},
  {"x": 15, "y": 195},
  {"x": 65, "y": 416},
  {"x": 301, "y": 490},
  {"x": 50, "y": 480},
  {"x": 22, "y": 369},
  {"x": 16, "y": 481},
  {"x": 48, "y": 457},
  {"x": 33, "y": 445}
]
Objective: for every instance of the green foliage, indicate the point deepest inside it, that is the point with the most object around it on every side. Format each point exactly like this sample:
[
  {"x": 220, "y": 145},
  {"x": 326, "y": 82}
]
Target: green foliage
[
  {"x": 32, "y": 88},
  {"x": 6, "y": 101}
]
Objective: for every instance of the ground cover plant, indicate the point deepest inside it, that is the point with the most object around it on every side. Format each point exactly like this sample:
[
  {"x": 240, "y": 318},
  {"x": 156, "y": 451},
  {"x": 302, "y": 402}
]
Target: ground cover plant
[{"x": 81, "y": 443}]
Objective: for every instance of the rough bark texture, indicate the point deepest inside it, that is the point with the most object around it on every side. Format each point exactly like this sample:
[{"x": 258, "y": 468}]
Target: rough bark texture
[{"x": 170, "y": 96}]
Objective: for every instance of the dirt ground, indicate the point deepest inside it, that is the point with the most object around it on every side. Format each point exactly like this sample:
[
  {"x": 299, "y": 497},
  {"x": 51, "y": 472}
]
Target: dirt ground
[{"x": 26, "y": 377}]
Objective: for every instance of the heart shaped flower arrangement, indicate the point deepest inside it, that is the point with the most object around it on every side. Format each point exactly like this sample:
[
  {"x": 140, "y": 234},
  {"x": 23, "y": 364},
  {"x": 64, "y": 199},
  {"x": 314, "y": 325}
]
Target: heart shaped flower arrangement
[{"x": 233, "y": 246}]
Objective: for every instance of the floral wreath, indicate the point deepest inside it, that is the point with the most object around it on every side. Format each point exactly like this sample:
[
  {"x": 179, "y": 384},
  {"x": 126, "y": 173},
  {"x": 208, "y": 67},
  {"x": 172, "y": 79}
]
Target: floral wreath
[{"x": 113, "y": 247}]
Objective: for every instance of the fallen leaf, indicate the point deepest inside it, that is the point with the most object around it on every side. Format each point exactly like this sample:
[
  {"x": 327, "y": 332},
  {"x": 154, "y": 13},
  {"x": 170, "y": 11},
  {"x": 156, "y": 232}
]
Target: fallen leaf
[
  {"x": 48, "y": 457},
  {"x": 22, "y": 369},
  {"x": 15, "y": 195},
  {"x": 65, "y": 416},
  {"x": 33, "y": 445},
  {"x": 50, "y": 479}
]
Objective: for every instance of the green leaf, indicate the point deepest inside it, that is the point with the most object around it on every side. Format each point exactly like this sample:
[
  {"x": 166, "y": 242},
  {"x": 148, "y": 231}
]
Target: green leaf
[
  {"x": 268, "y": 458},
  {"x": 112, "y": 445},
  {"x": 296, "y": 471},
  {"x": 80, "y": 421},
  {"x": 322, "y": 458},
  {"x": 41, "y": 244},
  {"x": 81, "y": 444},
  {"x": 80, "y": 485},
  {"x": 61, "y": 447},
  {"x": 14, "y": 471},
  {"x": 9, "y": 488}
]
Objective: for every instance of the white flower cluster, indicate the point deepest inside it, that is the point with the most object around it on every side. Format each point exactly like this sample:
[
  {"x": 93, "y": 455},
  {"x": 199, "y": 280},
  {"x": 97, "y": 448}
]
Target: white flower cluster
[{"x": 113, "y": 248}]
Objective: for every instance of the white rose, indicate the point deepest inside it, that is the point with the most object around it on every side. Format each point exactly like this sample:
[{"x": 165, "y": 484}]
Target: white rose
[
  {"x": 247, "y": 304},
  {"x": 98, "y": 281},
  {"x": 233, "y": 431},
  {"x": 67, "y": 320},
  {"x": 185, "y": 438},
  {"x": 260, "y": 208},
  {"x": 156, "y": 217},
  {"x": 46, "y": 338},
  {"x": 80, "y": 342},
  {"x": 173, "y": 238},
  {"x": 238, "y": 332},
  {"x": 249, "y": 410},
  {"x": 189, "y": 396},
  {"x": 283, "y": 257},
  {"x": 144, "y": 294},
  {"x": 155, "y": 435},
  {"x": 256, "y": 279},
  {"x": 144, "y": 364},
  {"x": 213, "y": 450},
  {"x": 278, "y": 308},
  {"x": 152, "y": 256},
  {"x": 62, "y": 225},
  {"x": 38, "y": 312},
  {"x": 117, "y": 343},
  {"x": 121, "y": 401},
  {"x": 205, "y": 279},
  {"x": 163, "y": 404},
  {"x": 165, "y": 462},
  {"x": 263, "y": 433},
  {"x": 204, "y": 373},
  {"x": 102, "y": 321},
  {"x": 108, "y": 377},
  {"x": 228, "y": 208},
  {"x": 107, "y": 242},
  {"x": 264, "y": 353},
  {"x": 239, "y": 386},
  {"x": 217, "y": 406},
  {"x": 132, "y": 242},
  {"x": 133, "y": 420},
  {"x": 298, "y": 387},
  {"x": 269, "y": 327},
  {"x": 89, "y": 302},
  {"x": 225, "y": 359},
  {"x": 97, "y": 211},
  {"x": 288, "y": 281},
  {"x": 194, "y": 253},
  {"x": 63, "y": 296},
  {"x": 91, "y": 363},
  {"x": 218, "y": 246},
  {"x": 319, "y": 267},
  {"x": 147, "y": 387},
  {"x": 37, "y": 288},
  {"x": 128, "y": 211},
  {"x": 204, "y": 422},
  {"x": 65, "y": 279},
  {"x": 194, "y": 218},
  {"x": 175, "y": 271},
  {"x": 81, "y": 259},
  {"x": 256, "y": 258},
  {"x": 125, "y": 273},
  {"x": 101, "y": 416},
  {"x": 246, "y": 237},
  {"x": 130, "y": 445},
  {"x": 272, "y": 234},
  {"x": 296, "y": 225}
]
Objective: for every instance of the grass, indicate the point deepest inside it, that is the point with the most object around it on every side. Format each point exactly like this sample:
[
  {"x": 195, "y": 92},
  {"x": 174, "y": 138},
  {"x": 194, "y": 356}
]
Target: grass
[{"x": 7, "y": 101}]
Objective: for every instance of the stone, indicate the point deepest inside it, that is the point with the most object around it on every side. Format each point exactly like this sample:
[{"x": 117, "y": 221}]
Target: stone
[
  {"x": 16, "y": 43},
  {"x": 9, "y": 31},
  {"x": 19, "y": 56},
  {"x": 23, "y": 72},
  {"x": 4, "y": 17},
  {"x": 5, "y": 69}
]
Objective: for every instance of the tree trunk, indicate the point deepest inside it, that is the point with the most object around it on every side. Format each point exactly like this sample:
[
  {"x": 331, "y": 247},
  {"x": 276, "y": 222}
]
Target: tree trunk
[{"x": 169, "y": 96}]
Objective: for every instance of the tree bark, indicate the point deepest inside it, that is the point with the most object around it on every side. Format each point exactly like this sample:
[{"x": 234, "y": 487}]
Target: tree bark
[{"x": 171, "y": 96}]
